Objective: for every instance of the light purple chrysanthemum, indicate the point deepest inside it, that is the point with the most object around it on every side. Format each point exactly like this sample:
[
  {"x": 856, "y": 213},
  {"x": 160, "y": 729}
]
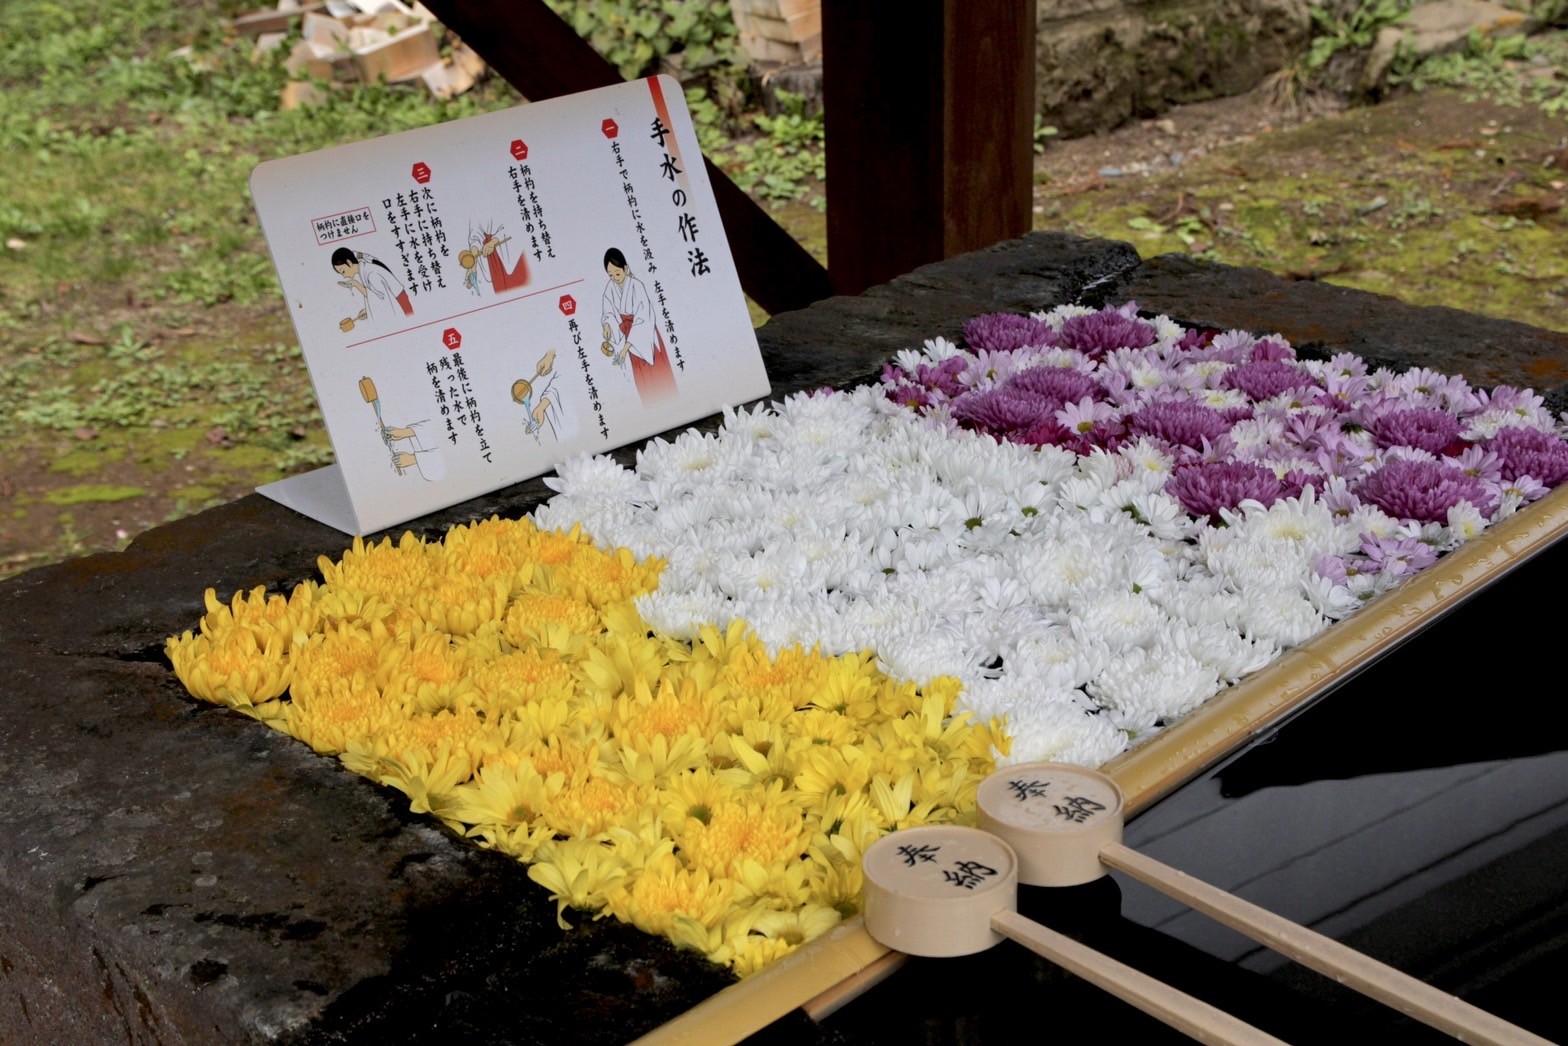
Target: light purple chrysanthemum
[
  {"x": 1266, "y": 379},
  {"x": 1205, "y": 489},
  {"x": 1424, "y": 427},
  {"x": 1180, "y": 422},
  {"x": 1007, "y": 331},
  {"x": 1097, "y": 333},
  {"x": 1397, "y": 556},
  {"x": 1424, "y": 491},
  {"x": 1530, "y": 452}
]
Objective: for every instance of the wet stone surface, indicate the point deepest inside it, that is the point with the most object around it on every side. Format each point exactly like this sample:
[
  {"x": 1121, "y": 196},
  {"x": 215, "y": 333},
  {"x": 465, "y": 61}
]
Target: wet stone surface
[{"x": 172, "y": 873}]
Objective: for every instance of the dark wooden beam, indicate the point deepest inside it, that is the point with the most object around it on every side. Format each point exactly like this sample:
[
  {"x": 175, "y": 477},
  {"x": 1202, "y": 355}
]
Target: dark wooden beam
[
  {"x": 539, "y": 54},
  {"x": 930, "y": 131}
]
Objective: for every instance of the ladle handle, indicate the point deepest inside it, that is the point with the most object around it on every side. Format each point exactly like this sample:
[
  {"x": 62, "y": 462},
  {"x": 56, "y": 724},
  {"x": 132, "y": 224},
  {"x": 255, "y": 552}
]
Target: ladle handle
[
  {"x": 1187, "y": 1014},
  {"x": 1412, "y": 997}
]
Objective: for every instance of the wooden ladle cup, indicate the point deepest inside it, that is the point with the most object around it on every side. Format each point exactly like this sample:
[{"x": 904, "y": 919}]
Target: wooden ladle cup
[
  {"x": 944, "y": 890},
  {"x": 1064, "y": 823}
]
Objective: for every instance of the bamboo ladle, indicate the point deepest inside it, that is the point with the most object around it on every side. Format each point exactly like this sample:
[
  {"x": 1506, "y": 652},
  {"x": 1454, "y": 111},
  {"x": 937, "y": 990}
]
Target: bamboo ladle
[
  {"x": 944, "y": 890},
  {"x": 1065, "y": 825}
]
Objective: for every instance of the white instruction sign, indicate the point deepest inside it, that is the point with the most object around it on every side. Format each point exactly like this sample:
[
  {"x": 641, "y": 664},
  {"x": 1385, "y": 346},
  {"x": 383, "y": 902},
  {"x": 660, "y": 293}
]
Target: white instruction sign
[{"x": 480, "y": 300}]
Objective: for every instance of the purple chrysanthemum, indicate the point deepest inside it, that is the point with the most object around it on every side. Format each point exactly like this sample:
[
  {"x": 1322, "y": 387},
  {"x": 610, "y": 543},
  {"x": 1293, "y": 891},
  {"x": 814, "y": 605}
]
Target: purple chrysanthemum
[
  {"x": 1423, "y": 491},
  {"x": 1204, "y": 489},
  {"x": 1265, "y": 379},
  {"x": 1179, "y": 422},
  {"x": 943, "y": 377},
  {"x": 1427, "y": 428},
  {"x": 1530, "y": 452},
  {"x": 999, "y": 411},
  {"x": 1057, "y": 384},
  {"x": 1043, "y": 432},
  {"x": 1006, "y": 331},
  {"x": 1097, "y": 333},
  {"x": 1266, "y": 350}
]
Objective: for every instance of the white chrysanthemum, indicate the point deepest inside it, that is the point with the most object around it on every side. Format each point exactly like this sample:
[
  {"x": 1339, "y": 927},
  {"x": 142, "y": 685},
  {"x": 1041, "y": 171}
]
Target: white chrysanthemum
[
  {"x": 940, "y": 349},
  {"x": 1230, "y": 654},
  {"x": 1055, "y": 658},
  {"x": 596, "y": 476},
  {"x": 1464, "y": 522},
  {"x": 1119, "y": 619},
  {"x": 1163, "y": 686},
  {"x": 1055, "y": 571},
  {"x": 1332, "y": 600},
  {"x": 681, "y": 613},
  {"x": 1202, "y": 601},
  {"x": 1060, "y": 731},
  {"x": 1281, "y": 615}
]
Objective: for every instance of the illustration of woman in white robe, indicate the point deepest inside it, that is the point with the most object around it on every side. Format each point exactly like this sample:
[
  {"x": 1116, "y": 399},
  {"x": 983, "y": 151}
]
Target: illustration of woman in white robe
[{"x": 630, "y": 332}]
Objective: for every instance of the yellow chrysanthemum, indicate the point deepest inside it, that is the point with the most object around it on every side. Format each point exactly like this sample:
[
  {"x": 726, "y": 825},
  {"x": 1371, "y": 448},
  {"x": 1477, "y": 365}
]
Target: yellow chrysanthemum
[
  {"x": 532, "y": 616},
  {"x": 697, "y": 794},
  {"x": 739, "y": 830},
  {"x": 459, "y": 604},
  {"x": 826, "y": 772},
  {"x": 819, "y": 726},
  {"x": 592, "y": 804},
  {"x": 429, "y": 779},
  {"x": 521, "y": 677},
  {"x": 234, "y": 668},
  {"x": 504, "y": 680},
  {"x": 393, "y": 572},
  {"x": 579, "y": 873},
  {"x": 665, "y": 889},
  {"x": 266, "y": 615},
  {"x": 503, "y": 796},
  {"x": 342, "y": 652},
  {"x": 425, "y": 672},
  {"x": 344, "y": 712}
]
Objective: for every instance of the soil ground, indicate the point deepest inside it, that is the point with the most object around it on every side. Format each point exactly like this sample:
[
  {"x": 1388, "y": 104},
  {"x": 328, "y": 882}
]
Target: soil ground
[{"x": 1432, "y": 197}]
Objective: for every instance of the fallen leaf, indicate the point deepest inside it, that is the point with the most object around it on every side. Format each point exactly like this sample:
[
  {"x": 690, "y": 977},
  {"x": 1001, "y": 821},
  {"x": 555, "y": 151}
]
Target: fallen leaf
[
  {"x": 1528, "y": 206},
  {"x": 1462, "y": 143},
  {"x": 80, "y": 338},
  {"x": 16, "y": 243},
  {"x": 183, "y": 332},
  {"x": 86, "y": 432},
  {"x": 218, "y": 436}
]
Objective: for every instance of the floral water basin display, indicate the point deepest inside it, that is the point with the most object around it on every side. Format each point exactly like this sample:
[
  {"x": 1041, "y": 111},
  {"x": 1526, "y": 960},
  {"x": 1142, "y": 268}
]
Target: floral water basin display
[{"x": 692, "y": 692}]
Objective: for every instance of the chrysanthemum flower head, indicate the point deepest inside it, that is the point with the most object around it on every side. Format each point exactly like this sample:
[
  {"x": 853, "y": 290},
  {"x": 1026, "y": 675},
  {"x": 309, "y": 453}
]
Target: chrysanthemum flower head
[
  {"x": 1543, "y": 456},
  {"x": 1005, "y": 332},
  {"x": 1107, "y": 330},
  {"x": 1423, "y": 490},
  {"x": 1208, "y": 489}
]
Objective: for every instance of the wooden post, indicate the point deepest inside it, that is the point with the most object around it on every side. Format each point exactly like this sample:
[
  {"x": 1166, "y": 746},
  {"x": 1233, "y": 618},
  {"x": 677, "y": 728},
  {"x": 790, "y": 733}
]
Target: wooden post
[
  {"x": 930, "y": 131},
  {"x": 536, "y": 52}
]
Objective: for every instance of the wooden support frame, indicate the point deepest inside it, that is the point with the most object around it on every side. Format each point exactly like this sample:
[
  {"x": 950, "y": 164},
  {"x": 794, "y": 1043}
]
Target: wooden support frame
[
  {"x": 930, "y": 131},
  {"x": 539, "y": 54}
]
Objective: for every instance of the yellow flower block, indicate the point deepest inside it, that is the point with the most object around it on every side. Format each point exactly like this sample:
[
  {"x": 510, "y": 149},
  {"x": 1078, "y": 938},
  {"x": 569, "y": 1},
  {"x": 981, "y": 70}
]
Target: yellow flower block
[{"x": 503, "y": 679}]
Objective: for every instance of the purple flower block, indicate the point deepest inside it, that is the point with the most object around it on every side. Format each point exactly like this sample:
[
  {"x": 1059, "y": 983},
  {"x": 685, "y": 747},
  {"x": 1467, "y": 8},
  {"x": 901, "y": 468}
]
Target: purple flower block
[
  {"x": 1007, "y": 331},
  {"x": 1205, "y": 489}
]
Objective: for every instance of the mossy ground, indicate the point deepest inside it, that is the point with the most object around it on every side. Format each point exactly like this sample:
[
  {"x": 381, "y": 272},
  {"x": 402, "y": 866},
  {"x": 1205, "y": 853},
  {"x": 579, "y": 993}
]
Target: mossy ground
[{"x": 1435, "y": 198}]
